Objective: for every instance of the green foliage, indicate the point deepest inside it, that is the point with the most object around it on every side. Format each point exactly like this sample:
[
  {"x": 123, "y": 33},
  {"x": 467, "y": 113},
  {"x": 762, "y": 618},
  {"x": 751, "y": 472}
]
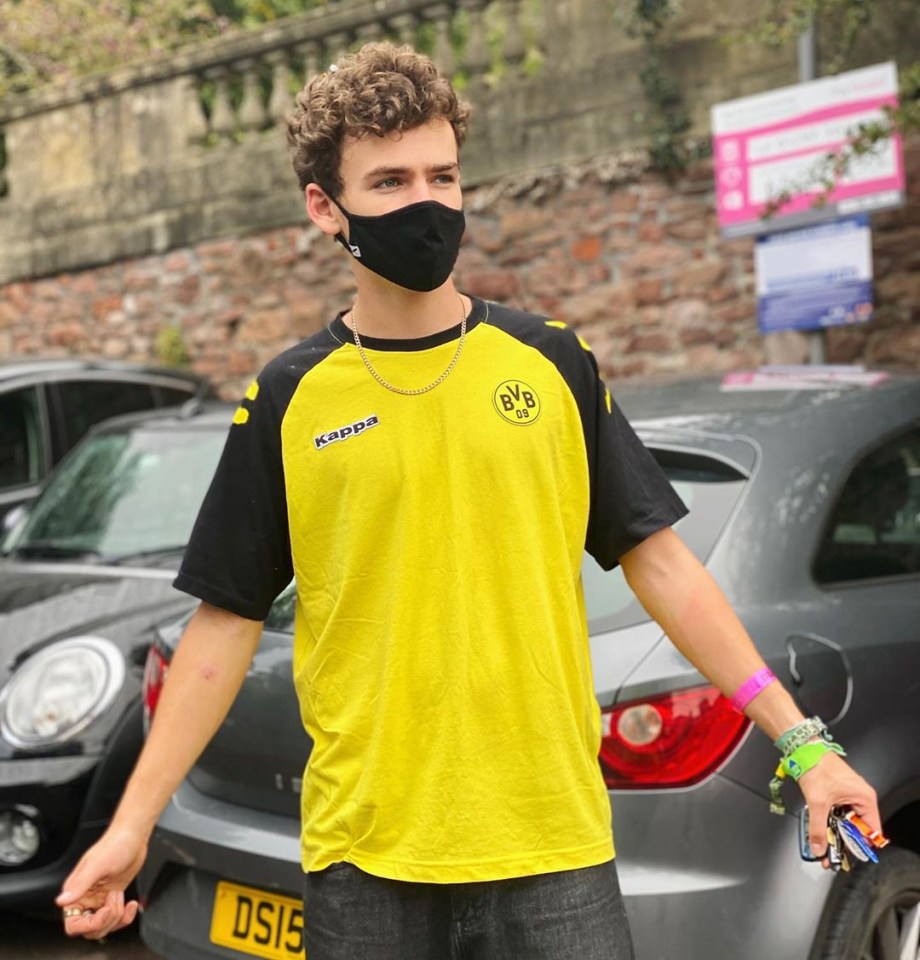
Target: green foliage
[
  {"x": 650, "y": 17},
  {"x": 171, "y": 350},
  {"x": 671, "y": 149},
  {"x": 56, "y": 40},
  {"x": 47, "y": 41},
  {"x": 253, "y": 13},
  {"x": 781, "y": 22}
]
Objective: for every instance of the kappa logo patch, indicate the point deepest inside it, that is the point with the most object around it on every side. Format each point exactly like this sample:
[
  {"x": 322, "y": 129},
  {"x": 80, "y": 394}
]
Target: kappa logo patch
[{"x": 343, "y": 433}]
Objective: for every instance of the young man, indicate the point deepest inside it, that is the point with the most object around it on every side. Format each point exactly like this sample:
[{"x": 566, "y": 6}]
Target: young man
[{"x": 430, "y": 468}]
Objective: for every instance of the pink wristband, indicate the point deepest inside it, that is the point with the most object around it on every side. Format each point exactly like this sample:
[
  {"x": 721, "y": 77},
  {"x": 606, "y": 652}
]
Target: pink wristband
[{"x": 751, "y": 687}]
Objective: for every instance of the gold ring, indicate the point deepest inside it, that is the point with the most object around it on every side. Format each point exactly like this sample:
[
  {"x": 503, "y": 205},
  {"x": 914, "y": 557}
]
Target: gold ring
[{"x": 73, "y": 912}]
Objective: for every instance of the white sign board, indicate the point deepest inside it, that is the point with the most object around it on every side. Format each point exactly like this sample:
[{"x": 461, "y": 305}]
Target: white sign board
[{"x": 774, "y": 142}]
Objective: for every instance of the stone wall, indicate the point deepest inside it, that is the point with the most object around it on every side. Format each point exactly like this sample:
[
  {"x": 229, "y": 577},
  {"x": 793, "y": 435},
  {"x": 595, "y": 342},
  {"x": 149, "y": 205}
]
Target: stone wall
[
  {"x": 187, "y": 148},
  {"x": 160, "y": 196},
  {"x": 634, "y": 263}
]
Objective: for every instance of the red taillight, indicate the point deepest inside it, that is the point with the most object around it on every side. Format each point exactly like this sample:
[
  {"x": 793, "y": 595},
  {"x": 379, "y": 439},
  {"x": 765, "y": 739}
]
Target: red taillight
[
  {"x": 155, "y": 670},
  {"x": 672, "y": 740}
]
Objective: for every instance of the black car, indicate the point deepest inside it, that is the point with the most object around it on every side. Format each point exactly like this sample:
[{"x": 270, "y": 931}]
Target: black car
[
  {"x": 46, "y": 406},
  {"x": 83, "y": 579}
]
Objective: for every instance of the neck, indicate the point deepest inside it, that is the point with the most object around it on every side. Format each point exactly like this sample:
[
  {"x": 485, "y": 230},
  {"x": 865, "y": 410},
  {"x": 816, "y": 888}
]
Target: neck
[{"x": 392, "y": 312}]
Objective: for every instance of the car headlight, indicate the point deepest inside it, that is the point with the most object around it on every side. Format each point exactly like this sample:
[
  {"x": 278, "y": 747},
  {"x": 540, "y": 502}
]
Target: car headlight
[{"x": 59, "y": 691}]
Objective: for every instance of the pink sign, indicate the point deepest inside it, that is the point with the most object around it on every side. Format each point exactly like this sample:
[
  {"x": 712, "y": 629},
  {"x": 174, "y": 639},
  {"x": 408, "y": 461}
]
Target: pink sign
[{"x": 774, "y": 142}]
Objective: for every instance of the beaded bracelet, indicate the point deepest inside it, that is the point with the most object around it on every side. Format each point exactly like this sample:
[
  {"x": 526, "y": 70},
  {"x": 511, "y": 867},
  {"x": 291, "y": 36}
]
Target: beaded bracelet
[{"x": 802, "y": 733}]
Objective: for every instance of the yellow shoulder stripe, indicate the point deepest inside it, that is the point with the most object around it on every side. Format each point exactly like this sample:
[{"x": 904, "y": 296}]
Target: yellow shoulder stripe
[
  {"x": 608, "y": 401},
  {"x": 564, "y": 326},
  {"x": 252, "y": 391},
  {"x": 241, "y": 415}
]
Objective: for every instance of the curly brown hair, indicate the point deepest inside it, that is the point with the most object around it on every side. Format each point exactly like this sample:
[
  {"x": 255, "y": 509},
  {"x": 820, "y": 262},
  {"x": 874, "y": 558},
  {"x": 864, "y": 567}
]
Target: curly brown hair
[{"x": 377, "y": 90}]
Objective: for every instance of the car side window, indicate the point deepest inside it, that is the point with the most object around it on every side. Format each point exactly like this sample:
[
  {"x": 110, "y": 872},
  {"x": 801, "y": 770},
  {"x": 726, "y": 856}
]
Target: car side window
[
  {"x": 21, "y": 447},
  {"x": 875, "y": 525},
  {"x": 84, "y": 403},
  {"x": 173, "y": 396}
]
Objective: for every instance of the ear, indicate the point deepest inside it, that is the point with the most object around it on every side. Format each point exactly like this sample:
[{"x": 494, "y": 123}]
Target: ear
[{"x": 323, "y": 212}]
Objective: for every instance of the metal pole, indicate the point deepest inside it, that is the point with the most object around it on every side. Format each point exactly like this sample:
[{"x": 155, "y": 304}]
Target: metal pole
[
  {"x": 808, "y": 70},
  {"x": 808, "y": 53}
]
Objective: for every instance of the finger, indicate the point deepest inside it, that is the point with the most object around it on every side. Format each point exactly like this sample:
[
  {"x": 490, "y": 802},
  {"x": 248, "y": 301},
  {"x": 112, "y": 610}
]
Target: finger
[
  {"x": 130, "y": 914},
  {"x": 109, "y": 917},
  {"x": 89, "y": 925},
  {"x": 76, "y": 886},
  {"x": 867, "y": 809},
  {"x": 817, "y": 827}
]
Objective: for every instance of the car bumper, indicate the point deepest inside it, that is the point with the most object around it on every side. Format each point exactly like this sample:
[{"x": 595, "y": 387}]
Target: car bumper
[
  {"x": 705, "y": 872},
  {"x": 56, "y": 788},
  {"x": 198, "y": 841},
  {"x": 709, "y": 873}
]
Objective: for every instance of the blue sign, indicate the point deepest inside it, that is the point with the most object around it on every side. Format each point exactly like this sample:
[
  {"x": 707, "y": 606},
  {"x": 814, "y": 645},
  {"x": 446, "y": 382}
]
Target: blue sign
[{"x": 815, "y": 277}]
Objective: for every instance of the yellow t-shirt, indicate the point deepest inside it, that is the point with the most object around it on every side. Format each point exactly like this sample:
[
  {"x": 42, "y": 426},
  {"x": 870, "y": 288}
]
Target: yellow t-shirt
[{"x": 441, "y": 654}]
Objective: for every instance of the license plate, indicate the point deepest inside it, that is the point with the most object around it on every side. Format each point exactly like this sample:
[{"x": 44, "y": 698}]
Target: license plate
[{"x": 256, "y": 922}]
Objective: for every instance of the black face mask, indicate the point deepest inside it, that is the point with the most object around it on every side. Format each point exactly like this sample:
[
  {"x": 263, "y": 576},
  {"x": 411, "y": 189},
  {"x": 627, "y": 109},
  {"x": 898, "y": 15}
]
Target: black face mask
[{"x": 415, "y": 247}]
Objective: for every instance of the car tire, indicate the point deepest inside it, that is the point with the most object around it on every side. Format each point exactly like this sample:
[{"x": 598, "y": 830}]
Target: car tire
[{"x": 874, "y": 907}]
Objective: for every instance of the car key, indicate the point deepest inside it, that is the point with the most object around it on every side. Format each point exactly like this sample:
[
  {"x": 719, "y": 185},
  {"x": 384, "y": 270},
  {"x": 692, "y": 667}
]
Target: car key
[
  {"x": 855, "y": 842},
  {"x": 877, "y": 839},
  {"x": 835, "y": 853},
  {"x": 805, "y": 851}
]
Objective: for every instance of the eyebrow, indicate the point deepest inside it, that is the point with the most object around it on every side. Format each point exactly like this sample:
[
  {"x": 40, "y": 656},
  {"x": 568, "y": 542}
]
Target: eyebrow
[{"x": 379, "y": 172}]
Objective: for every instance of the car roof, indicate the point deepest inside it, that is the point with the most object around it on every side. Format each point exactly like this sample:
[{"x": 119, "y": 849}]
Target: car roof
[
  {"x": 762, "y": 405},
  {"x": 208, "y": 414},
  {"x": 33, "y": 368}
]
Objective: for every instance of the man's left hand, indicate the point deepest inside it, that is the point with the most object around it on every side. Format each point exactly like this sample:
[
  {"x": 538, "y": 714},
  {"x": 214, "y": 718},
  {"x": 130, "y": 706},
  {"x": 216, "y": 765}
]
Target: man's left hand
[{"x": 834, "y": 783}]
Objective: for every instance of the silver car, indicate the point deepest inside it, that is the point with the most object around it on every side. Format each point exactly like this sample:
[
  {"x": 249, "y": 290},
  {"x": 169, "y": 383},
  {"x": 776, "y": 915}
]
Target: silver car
[{"x": 804, "y": 495}]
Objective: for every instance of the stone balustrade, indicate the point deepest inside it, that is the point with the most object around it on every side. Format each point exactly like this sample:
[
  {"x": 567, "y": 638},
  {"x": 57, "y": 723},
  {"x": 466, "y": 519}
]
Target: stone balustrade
[
  {"x": 264, "y": 67},
  {"x": 231, "y": 96}
]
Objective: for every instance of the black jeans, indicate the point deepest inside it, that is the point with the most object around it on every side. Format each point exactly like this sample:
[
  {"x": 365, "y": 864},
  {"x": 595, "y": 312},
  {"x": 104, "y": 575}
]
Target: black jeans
[{"x": 572, "y": 915}]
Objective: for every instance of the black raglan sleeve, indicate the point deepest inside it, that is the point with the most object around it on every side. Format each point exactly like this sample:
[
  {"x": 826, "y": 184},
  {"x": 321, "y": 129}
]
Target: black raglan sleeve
[
  {"x": 631, "y": 498},
  {"x": 239, "y": 554}
]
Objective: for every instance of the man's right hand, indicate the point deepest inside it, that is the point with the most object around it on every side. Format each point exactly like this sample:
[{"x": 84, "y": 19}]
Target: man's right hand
[
  {"x": 206, "y": 672},
  {"x": 93, "y": 895}
]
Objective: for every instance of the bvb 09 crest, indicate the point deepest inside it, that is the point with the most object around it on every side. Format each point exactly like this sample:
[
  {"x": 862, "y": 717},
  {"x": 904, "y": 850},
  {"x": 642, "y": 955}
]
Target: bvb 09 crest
[{"x": 516, "y": 402}]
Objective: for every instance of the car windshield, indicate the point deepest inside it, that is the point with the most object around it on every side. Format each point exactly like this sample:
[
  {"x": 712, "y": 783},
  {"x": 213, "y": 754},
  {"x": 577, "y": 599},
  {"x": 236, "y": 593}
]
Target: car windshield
[
  {"x": 123, "y": 495},
  {"x": 709, "y": 487}
]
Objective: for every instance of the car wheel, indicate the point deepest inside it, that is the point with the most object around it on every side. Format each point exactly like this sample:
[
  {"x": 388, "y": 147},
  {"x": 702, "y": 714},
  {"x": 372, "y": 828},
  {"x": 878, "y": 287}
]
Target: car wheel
[{"x": 876, "y": 912}]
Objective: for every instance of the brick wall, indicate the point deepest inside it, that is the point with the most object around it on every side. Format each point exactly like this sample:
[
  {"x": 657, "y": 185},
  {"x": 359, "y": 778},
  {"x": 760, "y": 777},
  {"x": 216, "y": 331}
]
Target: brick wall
[{"x": 635, "y": 263}]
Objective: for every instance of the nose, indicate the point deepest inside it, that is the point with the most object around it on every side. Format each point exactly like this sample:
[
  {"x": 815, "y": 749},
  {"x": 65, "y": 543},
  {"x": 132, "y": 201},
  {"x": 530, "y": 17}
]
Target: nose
[{"x": 420, "y": 191}]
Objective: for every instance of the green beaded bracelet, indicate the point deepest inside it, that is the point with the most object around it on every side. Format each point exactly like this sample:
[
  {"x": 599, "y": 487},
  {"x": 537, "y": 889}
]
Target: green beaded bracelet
[{"x": 801, "y": 733}]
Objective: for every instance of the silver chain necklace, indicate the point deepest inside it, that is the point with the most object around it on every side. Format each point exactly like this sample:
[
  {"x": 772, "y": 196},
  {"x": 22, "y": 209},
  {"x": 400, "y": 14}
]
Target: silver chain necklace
[{"x": 419, "y": 390}]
